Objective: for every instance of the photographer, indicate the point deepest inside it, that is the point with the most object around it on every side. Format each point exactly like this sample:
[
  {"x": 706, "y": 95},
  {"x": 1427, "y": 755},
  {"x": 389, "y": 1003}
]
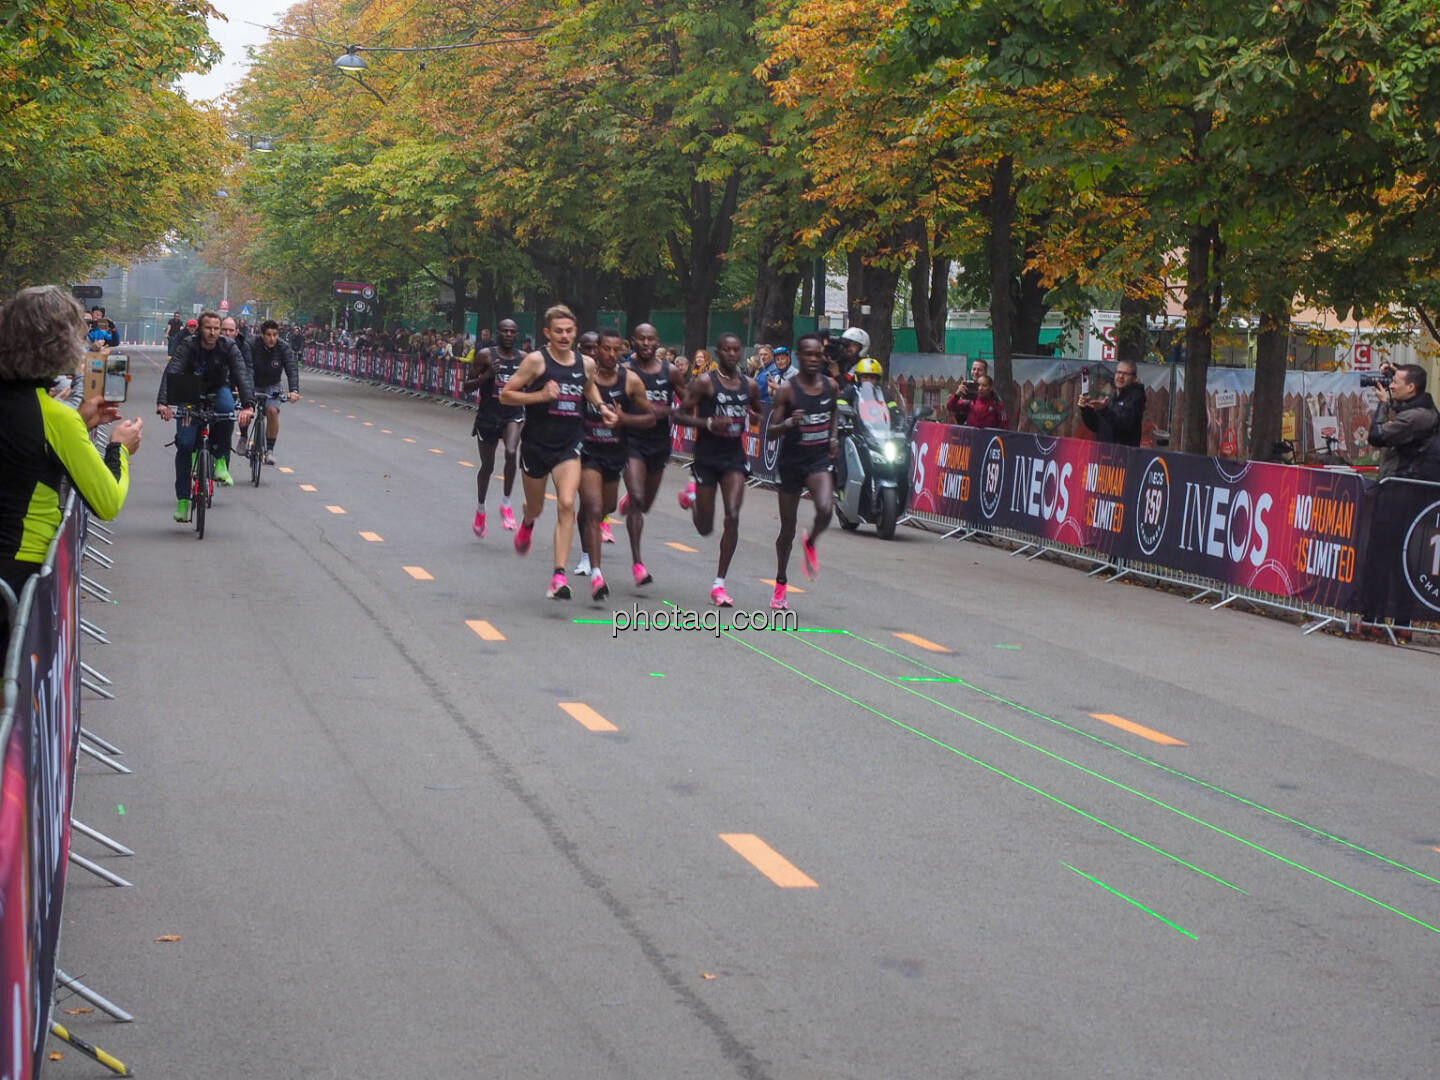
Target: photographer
[
  {"x": 1404, "y": 425},
  {"x": 958, "y": 405},
  {"x": 1120, "y": 418}
]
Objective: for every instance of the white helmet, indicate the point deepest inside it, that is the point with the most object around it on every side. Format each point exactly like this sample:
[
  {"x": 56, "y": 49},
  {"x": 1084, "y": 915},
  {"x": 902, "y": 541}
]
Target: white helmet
[{"x": 860, "y": 337}]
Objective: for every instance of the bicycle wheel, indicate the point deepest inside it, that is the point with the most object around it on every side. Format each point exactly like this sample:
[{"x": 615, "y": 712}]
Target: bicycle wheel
[
  {"x": 199, "y": 470},
  {"x": 256, "y": 449}
]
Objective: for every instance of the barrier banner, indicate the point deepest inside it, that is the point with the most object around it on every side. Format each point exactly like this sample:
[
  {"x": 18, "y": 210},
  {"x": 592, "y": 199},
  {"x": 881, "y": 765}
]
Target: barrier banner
[
  {"x": 38, "y": 784},
  {"x": 1402, "y": 571}
]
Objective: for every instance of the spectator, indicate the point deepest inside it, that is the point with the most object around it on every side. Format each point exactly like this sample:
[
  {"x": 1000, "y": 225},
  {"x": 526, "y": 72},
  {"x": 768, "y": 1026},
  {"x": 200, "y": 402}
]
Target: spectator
[
  {"x": 173, "y": 329},
  {"x": 775, "y": 374},
  {"x": 110, "y": 339},
  {"x": 1120, "y": 418},
  {"x": 759, "y": 360},
  {"x": 42, "y": 441},
  {"x": 701, "y": 363},
  {"x": 965, "y": 390},
  {"x": 985, "y": 410}
]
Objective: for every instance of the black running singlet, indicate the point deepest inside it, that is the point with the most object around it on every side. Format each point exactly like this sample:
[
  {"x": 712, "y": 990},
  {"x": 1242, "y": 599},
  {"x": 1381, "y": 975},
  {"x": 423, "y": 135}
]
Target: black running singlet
[
  {"x": 812, "y": 438},
  {"x": 491, "y": 409},
  {"x": 726, "y": 442},
  {"x": 557, "y": 426},
  {"x": 658, "y": 390},
  {"x": 599, "y": 436}
]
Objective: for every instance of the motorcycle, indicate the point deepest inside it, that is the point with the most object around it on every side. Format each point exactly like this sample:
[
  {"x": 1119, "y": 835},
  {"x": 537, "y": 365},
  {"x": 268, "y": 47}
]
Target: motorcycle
[{"x": 872, "y": 483}]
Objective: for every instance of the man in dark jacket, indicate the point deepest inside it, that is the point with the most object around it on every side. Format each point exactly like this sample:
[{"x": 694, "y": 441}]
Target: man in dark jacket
[
  {"x": 1121, "y": 417},
  {"x": 271, "y": 360},
  {"x": 217, "y": 364}
]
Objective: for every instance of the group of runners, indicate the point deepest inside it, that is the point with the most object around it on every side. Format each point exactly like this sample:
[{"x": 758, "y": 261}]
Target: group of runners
[{"x": 585, "y": 412}]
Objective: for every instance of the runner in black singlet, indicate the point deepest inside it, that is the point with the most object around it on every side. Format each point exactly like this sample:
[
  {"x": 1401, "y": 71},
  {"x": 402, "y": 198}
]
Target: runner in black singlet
[
  {"x": 494, "y": 366},
  {"x": 648, "y": 449},
  {"x": 804, "y": 409},
  {"x": 552, "y": 384},
  {"x": 623, "y": 410},
  {"x": 719, "y": 405}
]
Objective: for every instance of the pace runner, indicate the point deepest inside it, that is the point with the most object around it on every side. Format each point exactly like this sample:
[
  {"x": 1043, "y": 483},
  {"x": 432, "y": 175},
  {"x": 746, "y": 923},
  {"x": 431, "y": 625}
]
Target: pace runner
[
  {"x": 623, "y": 409},
  {"x": 494, "y": 367},
  {"x": 648, "y": 449},
  {"x": 804, "y": 409},
  {"x": 552, "y": 383},
  {"x": 719, "y": 406}
]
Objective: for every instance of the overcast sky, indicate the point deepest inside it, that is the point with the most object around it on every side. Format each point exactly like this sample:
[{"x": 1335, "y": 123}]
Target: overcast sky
[{"x": 234, "y": 33}]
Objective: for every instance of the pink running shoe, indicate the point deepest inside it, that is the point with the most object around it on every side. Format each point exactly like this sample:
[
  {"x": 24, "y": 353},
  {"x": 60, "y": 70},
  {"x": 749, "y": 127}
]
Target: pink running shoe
[
  {"x": 606, "y": 536},
  {"x": 687, "y": 497},
  {"x": 479, "y": 527},
  {"x": 598, "y": 589},
  {"x": 642, "y": 576},
  {"x": 720, "y": 598},
  {"x": 507, "y": 518},
  {"x": 778, "y": 601},
  {"x": 623, "y": 507},
  {"x": 522, "y": 538},
  {"x": 811, "y": 564},
  {"x": 559, "y": 588}
]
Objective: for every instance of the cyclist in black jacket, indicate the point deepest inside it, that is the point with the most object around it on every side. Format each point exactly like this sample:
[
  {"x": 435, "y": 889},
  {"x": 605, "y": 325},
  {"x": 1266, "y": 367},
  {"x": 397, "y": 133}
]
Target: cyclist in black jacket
[{"x": 270, "y": 358}]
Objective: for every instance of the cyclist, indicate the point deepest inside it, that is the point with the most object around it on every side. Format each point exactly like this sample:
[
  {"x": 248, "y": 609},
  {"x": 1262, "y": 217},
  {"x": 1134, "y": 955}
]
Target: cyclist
[
  {"x": 270, "y": 358},
  {"x": 218, "y": 364}
]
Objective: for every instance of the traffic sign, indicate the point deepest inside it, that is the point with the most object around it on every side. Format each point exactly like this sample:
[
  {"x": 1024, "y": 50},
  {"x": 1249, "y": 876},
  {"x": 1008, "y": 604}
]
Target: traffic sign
[
  {"x": 87, "y": 292},
  {"x": 363, "y": 289},
  {"x": 224, "y": 305},
  {"x": 360, "y": 307},
  {"x": 245, "y": 311}
]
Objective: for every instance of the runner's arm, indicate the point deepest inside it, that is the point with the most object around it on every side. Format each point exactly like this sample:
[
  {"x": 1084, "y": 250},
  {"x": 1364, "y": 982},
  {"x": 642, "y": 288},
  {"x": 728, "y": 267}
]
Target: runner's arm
[
  {"x": 685, "y": 416},
  {"x": 644, "y": 415},
  {"x": 530, "y": 369},
  {"x": 481, "y": 369}
]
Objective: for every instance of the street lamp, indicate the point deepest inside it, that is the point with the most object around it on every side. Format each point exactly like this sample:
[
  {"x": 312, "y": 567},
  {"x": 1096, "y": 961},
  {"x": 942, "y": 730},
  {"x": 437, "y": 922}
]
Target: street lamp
[{"x": 351, "y": 60}]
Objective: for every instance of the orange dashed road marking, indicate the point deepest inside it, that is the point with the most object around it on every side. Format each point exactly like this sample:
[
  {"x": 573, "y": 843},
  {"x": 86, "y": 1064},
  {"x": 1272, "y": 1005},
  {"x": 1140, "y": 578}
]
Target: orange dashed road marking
[
  {"x": 285, "y": 468},
  {"x": 485, "y": 630},
  {"x": 681, "y": 547},
  {"x": 788, "y": 588},
  {"x": 768, "y": 861},
  {"x": 587, "y": 716},
  {"x": 419, "y": 573},
  {"x": 351, "y": 416},
  {"x": 434, "y": 451},
  {"x": 924, "y": 643},
  {"x": 307, "y": 487},
  {"x": 369, "y": 423},
  {"x": 336, "y": 509},
  {"x": 466, "y": 464},
  {"x": 386, "y": 431},
  {"x": 550, "y": 495},
  {"x": 373, "y": 537},
  {"x": 1138, "y": 729}
]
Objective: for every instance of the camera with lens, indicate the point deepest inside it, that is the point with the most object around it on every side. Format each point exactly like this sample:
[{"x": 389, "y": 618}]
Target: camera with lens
[{"x": 1375, "y": 380}]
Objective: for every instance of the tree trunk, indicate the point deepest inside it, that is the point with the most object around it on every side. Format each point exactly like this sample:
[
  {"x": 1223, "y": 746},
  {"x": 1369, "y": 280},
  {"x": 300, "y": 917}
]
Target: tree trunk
[
  {"x": 712, "y": 224},
  {"x": 777, "y": 320},
  {"x": 854, "y": 288},
  {"x": 1199, "y": 319},
  {"x": 873, "y": 286},
  {"x": 807, "y": 292},
  {"x": 1267, "y": 406},
  {"x": 504, "y": 299},
  {"x": 638, "y": 295},
  {"x": 938, "y": 302},
  {"x": 459, "y": 288},
  {"x": 1131, "y": 335},
  {"x": 1028, "y": 314},
  {"x": 1001, "y": 206}
]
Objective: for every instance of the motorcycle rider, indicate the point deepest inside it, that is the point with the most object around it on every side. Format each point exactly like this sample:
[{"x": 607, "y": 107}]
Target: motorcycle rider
[{"x": 868, "y": 372}]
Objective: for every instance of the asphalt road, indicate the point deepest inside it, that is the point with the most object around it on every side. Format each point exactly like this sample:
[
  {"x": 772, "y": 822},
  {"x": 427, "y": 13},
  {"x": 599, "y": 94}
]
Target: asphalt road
[{"x": 908, "y": 846}]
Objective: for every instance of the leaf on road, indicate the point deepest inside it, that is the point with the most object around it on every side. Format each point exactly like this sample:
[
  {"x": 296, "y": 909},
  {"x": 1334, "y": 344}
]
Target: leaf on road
[
  {"x": 707, "y": 975},
  {"x": 168, "y": 937},
  {"x": 77, "y": 1012},
  {"x": 55, "y": 1055}
]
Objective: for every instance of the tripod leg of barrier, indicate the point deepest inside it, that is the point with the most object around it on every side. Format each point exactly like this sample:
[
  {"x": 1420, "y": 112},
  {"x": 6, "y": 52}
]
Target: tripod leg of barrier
[
  {"x": 98, "y": 756},
  {"x": 103, "y": 559},
  {"x": 100, "y": 837},
  {"x": 114, "y": 1064},
  {"x": 97, "y": 689},
  {"x": 1101, "y": 569},
  {"x": 1226, "y": 602},
  {"x": 99, "y": 592},
  {"x": 1201, "y": 595},
  {"x": 108, "y": 747},
  {"x": 1322, "y": 623},
  {"x": 99, "y": 871},
  {"x": 1120, "y": 575},
  {"x": 1021, "y": 550},
  {"x": 94, "y": 631},
  {"x": 98, "y": 528},
  {"x": 94, "y": 674},
  {"x": 104, "y": 538}
]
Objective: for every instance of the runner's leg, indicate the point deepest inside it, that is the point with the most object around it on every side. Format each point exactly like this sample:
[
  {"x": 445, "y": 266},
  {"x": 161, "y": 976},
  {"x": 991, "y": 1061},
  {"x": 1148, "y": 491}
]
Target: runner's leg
[
  {"x": 789, "y": 506},
  {"x": 511, "y": 435},
  {"x": 702, "y": 513},
  {"x": 732, "y": 489},
  {"x": 566, "y": 477},
  {"x": 591, "y": 512}
]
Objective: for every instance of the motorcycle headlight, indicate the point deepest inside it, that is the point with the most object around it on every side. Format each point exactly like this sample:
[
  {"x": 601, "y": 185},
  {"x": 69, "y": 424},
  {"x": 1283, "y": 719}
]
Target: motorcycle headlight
[{"x": 891, "y": 451}]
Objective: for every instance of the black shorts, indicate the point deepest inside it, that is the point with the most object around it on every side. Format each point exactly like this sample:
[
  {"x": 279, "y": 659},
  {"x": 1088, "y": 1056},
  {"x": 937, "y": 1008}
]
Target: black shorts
[
  {"x": 795, "y": 473},
  {"x": 539, "y": 462},
  {"x": 490, "y": 428},
  {"x": 654, "y": 457},
  {"x": 609, "y": 463},
  {"x": 707, "y": 473}
]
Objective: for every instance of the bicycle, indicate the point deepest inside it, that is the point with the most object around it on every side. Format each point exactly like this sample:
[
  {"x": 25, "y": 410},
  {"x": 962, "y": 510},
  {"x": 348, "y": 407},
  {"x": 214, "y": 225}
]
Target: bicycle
[{"x": 202, "y": 461}]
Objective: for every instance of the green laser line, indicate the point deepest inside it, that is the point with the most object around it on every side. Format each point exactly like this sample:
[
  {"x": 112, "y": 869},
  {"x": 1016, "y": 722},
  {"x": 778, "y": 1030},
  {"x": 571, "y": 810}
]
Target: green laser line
[
  {"x": 596, "y": 622},
  {"x": 813, "y": 630},
  {"x": 986, "y": 765},
  {"x": 1131, "y": 900},
  {"x": 927, "y": 678},
  {"x": 1179, "y": 773}
]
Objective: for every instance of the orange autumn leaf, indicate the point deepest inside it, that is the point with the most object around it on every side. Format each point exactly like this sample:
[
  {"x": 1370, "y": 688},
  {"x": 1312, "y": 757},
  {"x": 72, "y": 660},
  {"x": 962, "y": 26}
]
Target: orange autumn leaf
[{"x": 168, "y": 937}]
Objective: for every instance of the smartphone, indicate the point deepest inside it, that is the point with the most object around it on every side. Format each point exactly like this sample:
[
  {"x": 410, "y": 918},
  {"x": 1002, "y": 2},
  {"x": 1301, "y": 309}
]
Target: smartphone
[
  {"x": 1084, "y": 382},
  {"x": 117, "y": 377}
]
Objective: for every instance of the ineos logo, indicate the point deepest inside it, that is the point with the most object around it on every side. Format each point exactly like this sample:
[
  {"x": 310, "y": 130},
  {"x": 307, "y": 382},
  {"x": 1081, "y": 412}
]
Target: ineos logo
[
  {"x": 770, "y": 451},
  {"x": 1152, "y": 510},
  {"x": 992, "y": 476},
  {"x": 1421, "y": 556}
]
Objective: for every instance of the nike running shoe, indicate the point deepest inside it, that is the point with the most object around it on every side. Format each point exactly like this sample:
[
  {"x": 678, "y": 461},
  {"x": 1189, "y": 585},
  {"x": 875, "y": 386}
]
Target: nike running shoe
[
  {"x": 687, "y": 497},
  {"x": 522, "y": 537},
  {"x": 182, "y": 510},
  {"x": 507, "y": 518},
  {"x": 479, "y": 527},
  {"x": 598, "y": 589},
  {"x": 582, "y": 568},
  {"x": 623, "y": 507},
  {"x": 778, "y": 601},
  {"x": 720, "y": 598},
  {"x": 642, "y": 576},
  {"x": 811, "y": 564},
  {"x": 606, "y": 536},
  {"x": 559, "y": 588},
  {"x": 222, "y": 473}
]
